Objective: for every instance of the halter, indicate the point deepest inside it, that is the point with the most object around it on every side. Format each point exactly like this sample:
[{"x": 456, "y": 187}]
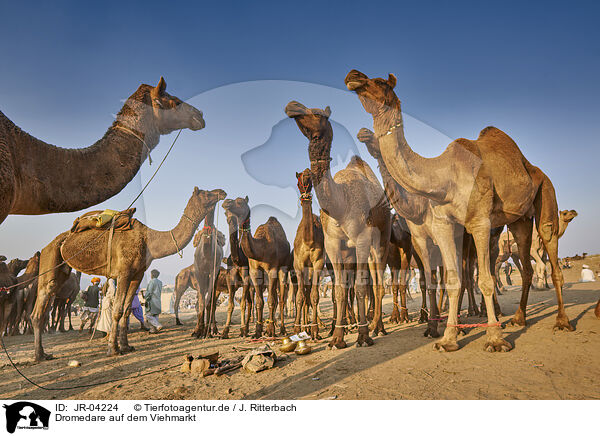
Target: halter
[
  {"x": 131, "y": 132},
  {"x": 391, "y": 129},
  {"x": 307, "y": 194},
  {"x": 245, "y": 225}
]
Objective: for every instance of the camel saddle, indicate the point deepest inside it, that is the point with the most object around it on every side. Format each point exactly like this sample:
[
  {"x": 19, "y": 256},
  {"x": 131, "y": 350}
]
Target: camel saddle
[{"x": 104, "y": 219}]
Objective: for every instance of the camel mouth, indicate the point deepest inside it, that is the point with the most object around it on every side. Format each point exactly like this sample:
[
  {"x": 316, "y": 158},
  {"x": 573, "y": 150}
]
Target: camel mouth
[{"x": 198, "y": 123}]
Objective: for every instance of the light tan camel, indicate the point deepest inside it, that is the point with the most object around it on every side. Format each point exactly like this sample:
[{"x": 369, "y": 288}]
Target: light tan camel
[
  {"x": 420, "y": 218},
  {"x": 309, "y": 258},
  {"x": 508, "y": 249},
  {"x": 39, "y": 178},
  {"x": 268, "y": 253},
  {"x": 481, "y": 184},
  {"x": 358, "y": 215},
  {"x": 208, "y": 255},
  {"x": 132, "y": 253},
  {"x": 184, "y": 280}
]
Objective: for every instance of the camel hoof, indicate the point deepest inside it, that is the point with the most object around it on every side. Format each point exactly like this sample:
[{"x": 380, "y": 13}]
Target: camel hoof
[
  {"x": 127, "y": 349},
  {"x": 282, "y": 332},
  {"x": 518, "y": 321},
  {"x": 225, "y": 333},
  {"x": 498, "y": 344},
  {"x": 431, "y": 331},
  {"x": 423, "y": 318},
  {"x": 113, "y": 352},
  {"x": 446, "y": 346},
  {"x": 564, "y": 325},
  {"x": 44, "y": 356},
  {"x": 177, "y": 322}
]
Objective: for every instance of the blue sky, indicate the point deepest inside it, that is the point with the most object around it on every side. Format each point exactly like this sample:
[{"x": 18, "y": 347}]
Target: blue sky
[{"x": 530, "y": 69}]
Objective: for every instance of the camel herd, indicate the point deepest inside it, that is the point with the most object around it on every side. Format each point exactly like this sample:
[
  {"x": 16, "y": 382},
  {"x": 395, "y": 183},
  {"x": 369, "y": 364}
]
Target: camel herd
[{"x": 448, "y": 216}]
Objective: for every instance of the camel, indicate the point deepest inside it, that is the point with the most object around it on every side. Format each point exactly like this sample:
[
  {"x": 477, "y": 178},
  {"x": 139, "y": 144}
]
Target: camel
[
  {"x": 132, "y": 252},
  {"x": 357, "y": 214},
  {"x": 268, "y": 253},
  {"x": 26, "y": 292},
  {"x": 399, "y": 257},
  {"x": 184, "y": 280},
  {"x": 238, "y": 275},
  {"x": 64, "y": 300},
  {"x": 209, "y": 244},
  {"x": 309, "y": 257},
  {"x": 8, "y": 293},
  {"x": 507, "y": 250},
  {"x": 39, "y": 178},
  {"x": 419, "y": 217},
  {"x": 479, "y": 184}
]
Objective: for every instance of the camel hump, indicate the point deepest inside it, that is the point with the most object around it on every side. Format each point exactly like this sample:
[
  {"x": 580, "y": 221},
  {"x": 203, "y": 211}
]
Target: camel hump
[
  {"x": 357, "y": 163},
  {"x": 491, "y": 131}
]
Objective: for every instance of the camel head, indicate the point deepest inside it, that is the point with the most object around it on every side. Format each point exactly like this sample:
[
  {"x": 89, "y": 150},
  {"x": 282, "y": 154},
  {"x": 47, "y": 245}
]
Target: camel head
[
  {"x": 567, "y": 215},
  {"x": 305, "y": 184},
  {"x": 33, "y": 264},
  {"x": 202, "y": 201},
  {"x": 237, "y": 209},
  {"x": 16, "y": 265},
  {"x": 368, "y": 138},
  {"x": 376, "y": 95},
  {"x": 159, "y": 110}
]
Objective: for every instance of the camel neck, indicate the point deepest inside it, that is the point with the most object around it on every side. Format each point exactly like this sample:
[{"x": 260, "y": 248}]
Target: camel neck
[
  {"x": 306, "y": 223},
  {"x": 409, "y": 206},
  {"x": 428, "y": 177},
  {"x": 165, "y": 243},
  {"x": 237, "y": 255},
  {"x": 74, "y": 179}
]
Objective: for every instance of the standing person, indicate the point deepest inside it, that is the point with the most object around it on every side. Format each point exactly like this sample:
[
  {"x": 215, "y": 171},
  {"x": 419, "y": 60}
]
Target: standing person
[
  {"x": 587, "y": 275},
  {"x": 153, "y": 303},
  {"x": 105, "y": 320},
  {"x": 508, "y": 271},
  {"x": 136, "y": 310},
  {"x": 91, "y": 300}
]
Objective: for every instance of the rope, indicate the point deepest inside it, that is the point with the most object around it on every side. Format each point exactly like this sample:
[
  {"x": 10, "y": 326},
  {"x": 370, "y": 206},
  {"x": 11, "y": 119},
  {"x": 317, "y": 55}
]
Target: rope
[
  {"x": 175, "y": 242},
  {"x": 498, "y": 324},
  {"x": 131, "y": 132},
  {"x": 89, "y": 385}
]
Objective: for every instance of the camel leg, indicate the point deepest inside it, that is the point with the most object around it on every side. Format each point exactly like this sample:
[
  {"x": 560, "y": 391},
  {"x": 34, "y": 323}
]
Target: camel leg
[
  {"x": 231, "y": 288},
  {"x": 314, "y": 298},
  {"x": 550, "y": 242},
  {"x": 281, "y": 273},
  {"x": 339, "y": 294},
  {"x": 259, "y": 301},
  {"x": 470, "y": 281},
  {"x": 361, "y": 287},
  {"x": 38, "y": 316},
  {"x": 300, "y": 296},
  {"x": 375, "y": 263},
  {"x": 540, "y": 270},
  {"x": 522, "y": 230},
  {"x": 597, "y": 310},
  {"x": 348, "y": 282},
  {"x": 423, "y": 317},
  {"x": 179, "y": 291},
  {"x": 124, "y": 321},
  {"x": 395, "y": 317},
  {"x": 494, "y": 340},
  {"x": 246, "y": 302},
  {"x": 405, "y": 256},
  {"x": 271, "y": 301},
  {"x": 200, "y": 328}
]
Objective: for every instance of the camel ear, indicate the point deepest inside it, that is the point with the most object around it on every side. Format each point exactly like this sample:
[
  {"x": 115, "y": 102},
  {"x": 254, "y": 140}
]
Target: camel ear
[
  {"x": 162, "y": 86},
  {"x": 392, "y": 80},
  {"x": 298, "y": 175},
  {"x": 294, "y": 109},
  {"x": 327, "y": 111},
  {"x": 246, "y": 198}
]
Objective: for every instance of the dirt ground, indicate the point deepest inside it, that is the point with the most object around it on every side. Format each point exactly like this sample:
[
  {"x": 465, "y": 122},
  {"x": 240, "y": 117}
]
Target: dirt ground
[{"x": 402, "y": 365}]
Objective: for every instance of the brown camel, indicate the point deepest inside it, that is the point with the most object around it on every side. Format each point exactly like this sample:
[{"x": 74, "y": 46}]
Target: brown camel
[
  {"x": 209, "y": 244},
  {"x": 26, "y": 292},
  {"x": 131, "y": 254},
  {"x": 64, "y": 300},
  {"x": 399, "y": 257},
  {"x": 39, "y": 178},
  {"x": 419, "y": 216},
  {"x": 358, "y": 215},
  {"x": 8, "y": 291},
  {"x": 507, "y": 250},
  {"x": 238, "y": 275},
  {"x": 184, "y": 280},
  {"x": 479, "y": 184},
  {"x": 268, "y": 253},
  {"x": 309, "y": 258}
]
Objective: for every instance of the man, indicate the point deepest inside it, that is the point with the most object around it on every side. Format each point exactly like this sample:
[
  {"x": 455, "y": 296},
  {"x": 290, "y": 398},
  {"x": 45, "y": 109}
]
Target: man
[
  {"x": 105, "y": 320},
  {"x": 587, "y": 275},
  {"x": 152, "y": 297},
  {"x": 91, "y": 300},
  {"x": 136, "y": 310},
  {"x": 508, "y": 269}
]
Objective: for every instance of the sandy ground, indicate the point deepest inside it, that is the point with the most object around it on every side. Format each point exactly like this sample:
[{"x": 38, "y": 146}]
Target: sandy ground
[{"x": 402, "y": 365}]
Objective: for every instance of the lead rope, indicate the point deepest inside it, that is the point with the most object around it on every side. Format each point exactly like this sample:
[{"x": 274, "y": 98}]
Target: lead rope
[{"x": 214, "y": 290}]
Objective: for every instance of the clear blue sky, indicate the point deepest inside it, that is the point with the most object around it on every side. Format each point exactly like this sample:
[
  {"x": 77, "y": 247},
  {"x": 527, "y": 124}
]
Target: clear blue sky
[{"x": 530, "y": 69}]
